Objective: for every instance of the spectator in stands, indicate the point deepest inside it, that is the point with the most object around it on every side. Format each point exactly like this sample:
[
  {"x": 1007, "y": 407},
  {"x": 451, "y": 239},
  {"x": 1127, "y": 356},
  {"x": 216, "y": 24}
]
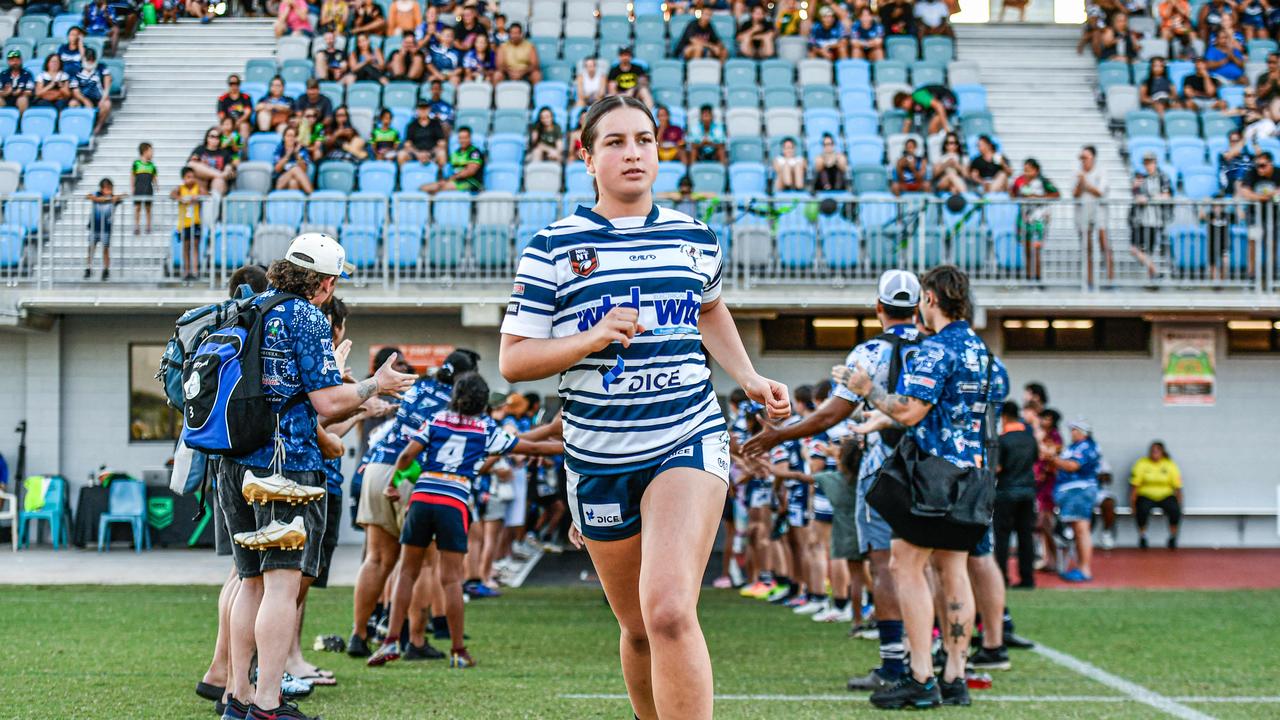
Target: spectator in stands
[
  {"x": 189, "y": 195},
  {"x": 212, "y": 164},
  {"x": 275, "y": 108},
  {"x": 104, "y": 203},
  {"x": 1091, "y": 209},
  {"x": 445, "y": 63},
  {"x": 334, "y": 16},
  {"x": 830, "y": 168},
  {"x": 17, "y": 84},
  {"x": 366, "y": 62},
  {"x": 1265, "y": 125},
  {"x": 705, "y": 139},
  {"x": 988, "y": 170},
  {"x": 826, "y": 37},
  {"x": 99, "y": 20},
  {"x": 53, "y": 86},
  {"x": 403, "y": 18},
  {"x": 331, "y": 61},
  {"x": 1225, "y": 58},
  {"x": 1268, "y": 83},
  {"x": 203, "y": 9},
  {"x": 231, "y": 140},
  {"x": 469, "y": 28},
  {"x": 933, "y": 17},
  {"x": 313, "y": 98},
  {"x": 1176, "y": 27},
  {"x": 685, "y": 200},
  {"x": 590, "y": 84},
  {"x": 1154, "y": 483},
  {"x": 425, "y": 138},
  {"x": 897, "y": 17},
  {"x": 866, "y": 37},
  {"x": 467, "y": 164},
  {"x": 499, "y": 32},
  {"x": 341, "y": 141},
  {"x": 441, "y": 110},
  {"x": 292, "y": 163},
  {"x": 236, "y": 105},
  {"x": 1117, "y": 42},
  {"x": 384, "y": 139},
  {"x": 1147, "y": 219},
  {"x": 367, "y": 19},
  {"x": 1253, "y": 18},
  {"x": 430, "y": 28},
  {"x": 911, "y": 172},
  {"x": 1158, "y": 92},
  {"x": 951, "y": 168},
  {"x": 789, "y": 20},
  {"x": 546, "y": 138},
  {"x": 1210, "y": 19},
  {"x": 627, "y": 78},
  {"x": 91, "y": 88},
  {"x": 406, "y": 63},
  {"x": 1032, "y": 185},
  {"x": 755, "y": 36},
  {"x": 71, "y": 52},
  {"x": 1261, "y": 184},
  {"x": 292, "y": 19},
  {"x": 481, "y": 61},
  {"x": 936, "y": 102},
  {"x": 700, "y": 40},
  {"x": 789, "y": 169},
  {"x": 1235, "y": 162},
  {"x": 144, "y": 175},
  {"x": 518, "y": 58},
  {"x": 670, "y": 138},
  {"x": 1015, "y": 508}
]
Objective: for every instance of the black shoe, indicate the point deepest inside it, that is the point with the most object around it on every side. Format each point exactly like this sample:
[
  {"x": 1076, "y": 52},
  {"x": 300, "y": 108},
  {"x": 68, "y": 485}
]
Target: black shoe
[
  {"x": 1142, "y": 543},
  {"x": 219, "y": 708},
  {"x": 1024, "y": 586},
  {"x": 425, "y": 652},
  {"x": 908, "y": 692},
  {"x": 358, "y": 647},
  {"x": 955, "y": 692},
  {"x": 106, "y": 274},
  {"x": 872, "y": 681},
  {"x": 1017, "y": 642},
  {"x": 286, "y": 711},
  {"x": 1173, "y": 542},
  {"x": 234, "y": 710},
  {"x": 210, "y": 692},
  {"x": 87, "y": 273},
  {"x": 990, "y": 659}
]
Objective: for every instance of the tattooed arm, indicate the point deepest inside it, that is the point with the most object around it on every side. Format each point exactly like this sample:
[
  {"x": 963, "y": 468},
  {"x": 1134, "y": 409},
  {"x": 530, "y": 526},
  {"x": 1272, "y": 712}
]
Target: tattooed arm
[{"x": 902, "y": 409}]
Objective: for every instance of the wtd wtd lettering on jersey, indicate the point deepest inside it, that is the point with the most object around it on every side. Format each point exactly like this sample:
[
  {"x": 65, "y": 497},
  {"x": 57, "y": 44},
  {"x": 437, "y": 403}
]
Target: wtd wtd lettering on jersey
[
  {"x": 592, "y": 315},
  {"x": 674, "y": 315}
]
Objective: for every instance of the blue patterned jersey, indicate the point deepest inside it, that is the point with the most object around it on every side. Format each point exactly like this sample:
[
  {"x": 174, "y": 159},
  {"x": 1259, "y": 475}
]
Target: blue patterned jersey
[
  {"x": 453, "y": 447},
  {"x": 1086, "y": 453},
  {"x": 420, "y": 402},
  {"x": 297, "y": 356},
  {"x": 950, "y": 372},
  {"x": 333, "y": 476},
  {"x": 625, "y": 409}
]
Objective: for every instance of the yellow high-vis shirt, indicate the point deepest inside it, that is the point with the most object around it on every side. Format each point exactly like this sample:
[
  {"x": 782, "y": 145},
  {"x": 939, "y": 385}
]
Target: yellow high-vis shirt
[{"x": 1156, "y": 480}]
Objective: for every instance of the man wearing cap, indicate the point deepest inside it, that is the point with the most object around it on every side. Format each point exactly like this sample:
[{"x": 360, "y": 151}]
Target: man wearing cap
[
  {"x": 312, "y": 98},
  {"x": 626, "y": 78},
  {"x": 301, "y": 377},
  {"x": 899, "y": 293},
  {"x": 1076, "y": 492},
  {"x": 17, "y": 85}
]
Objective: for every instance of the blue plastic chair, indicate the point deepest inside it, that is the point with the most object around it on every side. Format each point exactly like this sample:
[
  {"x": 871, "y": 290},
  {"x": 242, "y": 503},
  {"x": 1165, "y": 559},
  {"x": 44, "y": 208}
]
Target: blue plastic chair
[
  {"x": 8, "y": 122},
  {"x": 39, "y": 121},
  {"x": 502, "y": 177},
  {"x": 231, "y": 245},
  {"x": 327, "y": 207},
  {"x": 13, "y": 238},
  {"x": 747, "y": 178},
  {"x": 337, "y": 175},
  {"x": 42, "y": 177},
  {"x": 78, "y": 123},
  {"x": 367, "y": 209},
  {"x": 60, "y": 149},
  {"x": 414, "y": 175},
  {"x": 853, "y": 74},
  {"x": 54, "y": 511},
  {"x": 506, "y": 149},
  {"x": 285, "y": 207},
  {"x": 22, "y": 149},
  {"x": 361, "y": 243},
  {"x": 127, "y": 504},
  {"x": 262, "y": 147},
  {"x": 23, "y": 209},
  {"x": 378, "y": 176},
  {"x": 797, "y": 243},
  {"x": 839, "y": 241}
]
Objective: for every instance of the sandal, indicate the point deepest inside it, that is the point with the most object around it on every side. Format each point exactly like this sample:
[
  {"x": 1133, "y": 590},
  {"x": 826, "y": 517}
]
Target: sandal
[
  {"x": 210, "y": 692},
  {"x": 323, "y": 678}
]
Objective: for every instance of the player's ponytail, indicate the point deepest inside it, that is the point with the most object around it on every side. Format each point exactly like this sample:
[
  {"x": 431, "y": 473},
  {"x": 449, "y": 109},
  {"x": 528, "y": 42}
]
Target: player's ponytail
[
  {"x": 459, "y": 361},
  {"x": 950, "y": 285}
]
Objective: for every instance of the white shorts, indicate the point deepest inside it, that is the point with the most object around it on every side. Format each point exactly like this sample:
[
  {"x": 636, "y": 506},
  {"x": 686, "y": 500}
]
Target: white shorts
[{"x": 518, "y": 507}]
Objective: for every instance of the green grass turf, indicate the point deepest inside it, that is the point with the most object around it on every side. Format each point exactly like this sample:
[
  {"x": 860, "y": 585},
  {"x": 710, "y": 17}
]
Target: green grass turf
[{"x": 137, "y": 652}]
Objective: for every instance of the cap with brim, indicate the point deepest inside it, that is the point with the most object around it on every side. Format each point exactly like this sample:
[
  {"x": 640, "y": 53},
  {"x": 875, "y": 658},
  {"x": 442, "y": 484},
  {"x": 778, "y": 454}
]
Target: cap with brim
[
  {"x": 1149, "y": 156},
  {"x": 1082, "y": 425},
  {"x": 497, "y": 399},
  {"x": 899, "y": 288},
  {"x": 625, "y": 49},
  {"x": 321, "y": 253},
  {"x": 14, "y": 54}
]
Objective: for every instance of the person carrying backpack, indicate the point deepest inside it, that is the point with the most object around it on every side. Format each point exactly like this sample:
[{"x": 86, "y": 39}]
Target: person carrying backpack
[
  {"x": 884, "y": 358},
  {"x": 273, "y": 496}
]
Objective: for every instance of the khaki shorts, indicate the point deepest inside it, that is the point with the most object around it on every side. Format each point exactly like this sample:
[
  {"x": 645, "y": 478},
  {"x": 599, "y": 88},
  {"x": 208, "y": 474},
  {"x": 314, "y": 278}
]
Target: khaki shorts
[{"x": 375, "y": 507}]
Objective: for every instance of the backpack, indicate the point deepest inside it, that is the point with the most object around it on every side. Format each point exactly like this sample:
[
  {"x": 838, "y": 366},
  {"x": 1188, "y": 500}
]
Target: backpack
[
  {"x": 191, "y": 329},
  {"x": 224, "y": 410},
  {"x": 898, "y": 346}
]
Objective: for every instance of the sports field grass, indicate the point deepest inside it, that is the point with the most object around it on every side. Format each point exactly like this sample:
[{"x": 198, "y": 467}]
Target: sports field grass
[{"x": 137, "y": 652}]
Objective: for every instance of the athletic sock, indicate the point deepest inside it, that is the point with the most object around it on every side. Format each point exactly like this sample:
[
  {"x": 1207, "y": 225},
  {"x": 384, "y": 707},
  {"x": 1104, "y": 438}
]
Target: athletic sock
[
  {"x": 841, "y": 603},
  {"x": 816, "y": 597},
  {"x": 439, "y": 623},
  {"x": 1007, "y": 623},
  {"x": 766, "y": 576},
  {"x": 893, "y": 653}
]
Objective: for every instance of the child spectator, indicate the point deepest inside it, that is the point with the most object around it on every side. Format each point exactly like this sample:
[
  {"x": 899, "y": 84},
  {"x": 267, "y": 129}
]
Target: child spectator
[
  {"x": 71, "y": 52},
  {"x": 499, "y": 32},
  {"x": 546, "y": 138},
  {"x": 788, "y": 20},
  {"x": 440, "y": 109},
  {"x": 384, "y": 138},
  {"x": 311, "y": 132},
  {"x": 231, "y": 141},
  {"x": 53, "y": 86},
  {"x": 292, "y": 163},
  {"x": 144, "y": 186},
  {"x": 91, "y": 88},
  {"x": 236, "y": 105},
  {"x": 104, "y": 206},
  {"x": 706, "y": 138},
  {"x": 789, "y": 169},
  {"x": 481, "y": 62},
  {"x": 445, "y": 61},
  {"x": 936, "y": 102},
  {"x": 911, "y": 173},
  {"x": 169, "y": 11},
  {"x": 189, "y": 196},
  {"x": 17, "y": 85},
  {"x": 275, "y": 108}
]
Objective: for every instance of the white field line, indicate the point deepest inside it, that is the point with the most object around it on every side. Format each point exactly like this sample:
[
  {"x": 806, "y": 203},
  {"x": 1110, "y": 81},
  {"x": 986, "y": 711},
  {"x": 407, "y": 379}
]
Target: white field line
[
  {"x": 1133, "y": 690},
  {"x": 855, "y": 697}
]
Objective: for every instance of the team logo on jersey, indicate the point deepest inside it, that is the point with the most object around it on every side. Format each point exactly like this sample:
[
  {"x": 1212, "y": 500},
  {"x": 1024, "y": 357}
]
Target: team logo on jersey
[
  {"x": 517, "y": 289},
  {"x": 694, "y": 253},
  {"x": 610, "y": 374},
  {"x": 583, "y": 261},
  {"x": 602, "y": 515}
]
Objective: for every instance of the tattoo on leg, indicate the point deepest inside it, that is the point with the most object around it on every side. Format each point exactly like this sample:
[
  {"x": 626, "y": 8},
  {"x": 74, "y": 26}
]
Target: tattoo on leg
[
  {"x": 955, "y": 606},
  {"x": 957, "y": 631}
]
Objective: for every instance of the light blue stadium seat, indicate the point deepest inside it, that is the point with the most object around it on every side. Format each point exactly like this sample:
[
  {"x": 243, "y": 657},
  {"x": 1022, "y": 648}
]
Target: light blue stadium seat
[
  {"x": 364, "y": 94},
  {"x": 262, "y": 147},
  {"x": 13, "y": 239},
  {"x": 840, "y": 241},
  {"x": 505, "y": 149},
  {"x": 1112, "y": 72},
  {"x": 889, "y": 71},
  {"x": 550, "y": 93},
  {"x": 502, "y": 177},
  {"x": 978, "y": 123},
  {"x": 748, "y": 178},
  {"x": 970, "y": 98},
  {"x": 377, "y": 176},
  {"x": 361, "y": 243},
  {"x": 1188, "y": 247},
  {"x": 296, "y": 71},
  {"x": 746, "y": 149},
  {"x": 241, "y": 207},
  {"x": 1181, "y": 123},
  {"x": 577, "y": 182},
  {"x": 853, "y": 74},
  {"x": 870, "y": 179},
  {"x": 259, "y": 70},
  {"x": 328, "y": 208},
  {"x": 452, "y": 208},
  {"x": 337, "y": 175},
  {"x": 62, "y": 24},
  {"x": 742, "y": 97},
  {"x": 821, "y": 120},
  {"x": 414, "y": 175},
  {"x": 78, "y": 123},
  {"x": 1140, "y": 146},
  {"x": 861, "y": 122},
  {"x": 34, "y": 27},
  {"x": 60, "y": 149},
  {"x": 8, "y": 122},
  {"x": 535, "y": 212},
  {"x": 1199, "y": 182},
  {"x": 857, "y": 99},
  {"x": 818, "y": 96},
  {"x": 285, "y": 208},
  {"x": 1186, "y": 152},
  {"x": 902, "y": 48},
  {"x": 797, "y": 241},
  {"x": 777, "y": 73},
  {"x": 39, "y": 121},
  {"x": 924, "y": 72},
  {"x": 368, "y": 208},
  {"x": 707, "y": 177},
  {"x": 699, "y": 95},
  {"x": 410, "y": 207},
  {"x": 865, "y": 150},
  {"x": 1139, "y": 123},
  {"x": 1178, "y": 70},
  {"x": 230, "y": 245},
  {"x": 22, "y": 149},
  {"x": 404, "y": 244},
  {"x": 42, "y": 177},
  {"x": 779, "y": 97},
  {"x": 740, "y": 73},
  {"x": 649, "y": 25},
  {"x": 336, "y": 92},
  {"x": 23, "y": 209},
  {"x": 1214, "y": 124},
  {"x": 1002, "y": 221},
  {"x": 575, "y": 50},
  {"x": 491, "y": 245},
  {"x": 669, "y": 174},
  {"x": 510, "y": 121},
  {"x": 938, "y": 48}
]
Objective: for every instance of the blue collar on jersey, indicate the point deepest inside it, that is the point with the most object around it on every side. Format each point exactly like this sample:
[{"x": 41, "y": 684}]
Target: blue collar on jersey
[
  {"x": 900, "y": 328},
  {"x": 588, "y": 213}
]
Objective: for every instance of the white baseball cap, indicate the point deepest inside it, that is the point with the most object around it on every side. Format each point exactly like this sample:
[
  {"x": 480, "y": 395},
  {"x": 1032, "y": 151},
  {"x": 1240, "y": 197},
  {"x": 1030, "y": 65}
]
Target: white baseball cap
[
  {"x": 899, "y": 288},
  {"x": 319, "y": 252},
  {"x": 1082, "y": 425}
]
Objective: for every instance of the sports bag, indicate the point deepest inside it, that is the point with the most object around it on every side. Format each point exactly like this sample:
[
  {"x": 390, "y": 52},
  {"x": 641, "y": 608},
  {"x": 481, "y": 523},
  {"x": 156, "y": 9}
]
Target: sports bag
[
  {"x": 225, "y": 411},
  {"x": 897, "y": 343},
  {"x": 191, "y": 329}
]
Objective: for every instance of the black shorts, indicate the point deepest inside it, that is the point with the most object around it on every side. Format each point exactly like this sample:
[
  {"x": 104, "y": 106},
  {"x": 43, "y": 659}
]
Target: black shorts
[
  {"x": 436, "y": 520},
  {"x": 243, "y": 517},
  {"x": 191, "y": 234},
  {"x": 332, "y": 525}
]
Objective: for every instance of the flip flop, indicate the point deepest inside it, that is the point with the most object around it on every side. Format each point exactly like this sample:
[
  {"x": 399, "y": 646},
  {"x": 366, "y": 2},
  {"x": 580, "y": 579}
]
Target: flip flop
[
  {"x": 210, "y": 692},
  {"x": 323, "y": 678}
]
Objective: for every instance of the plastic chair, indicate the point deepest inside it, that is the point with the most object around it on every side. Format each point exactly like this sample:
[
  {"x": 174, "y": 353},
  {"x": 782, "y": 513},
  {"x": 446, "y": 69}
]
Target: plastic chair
[
  {"x": 128, "y": 504},
  {"x": 9, "y": 511},
  {"x": 60, "y": 149},
  {"x": 54, "y": 511},
  {"x": 78, "y": 123},
  {"x": 42, "y": 177}
]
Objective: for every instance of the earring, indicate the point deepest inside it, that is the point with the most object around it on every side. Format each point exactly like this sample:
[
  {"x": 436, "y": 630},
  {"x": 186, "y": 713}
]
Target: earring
[{"x": 591, "y": 173}]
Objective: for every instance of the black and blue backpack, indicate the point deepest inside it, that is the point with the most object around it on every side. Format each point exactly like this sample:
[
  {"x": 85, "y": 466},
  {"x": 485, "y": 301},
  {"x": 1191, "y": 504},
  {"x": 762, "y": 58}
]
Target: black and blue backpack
[
  {"x": 191, "y": 329},
  {"x": 224, "y": 408}
]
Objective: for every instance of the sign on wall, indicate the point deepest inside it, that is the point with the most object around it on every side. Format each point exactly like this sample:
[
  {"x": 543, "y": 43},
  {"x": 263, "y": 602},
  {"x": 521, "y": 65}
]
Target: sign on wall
[
  {"x": 421, "y": 357},
  {"x": 1189, "y": 365}
]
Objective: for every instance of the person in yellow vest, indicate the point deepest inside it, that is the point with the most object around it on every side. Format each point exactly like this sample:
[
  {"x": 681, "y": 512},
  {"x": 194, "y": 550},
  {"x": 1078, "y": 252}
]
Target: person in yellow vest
[
  {"x": 1156, "y": 482},
  {"x": 189, "y": 197}
]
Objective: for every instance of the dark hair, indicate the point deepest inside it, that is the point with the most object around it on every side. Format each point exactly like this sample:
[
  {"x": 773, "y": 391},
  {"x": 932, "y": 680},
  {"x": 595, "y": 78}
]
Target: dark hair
[
  {"x": 893, "y": 312},
  {"x": 951, "y": 287},
  {"x": 899, "y": 97},
  {"x": 1055, "y": 417},
  {"x": 380, "y": 358},
  {"x": 535, "y": 400},
  {"x": 987, "y": 139},
  {"x": 737, "y": 396},
  {"x": 706, "y": 108},
  {"x": 1009, "y": 410},
  {"x": 827, "y": 136},
  {"x": 1265, "y": 154},
  {"x": 603, "y": 107},
  {"x": 685, "y": 180},
  {"x": 1163, "y": 450},
  {"x": 470, "y": 394},
  {"x": 287, "y": 277},
  {"x": 822, "y": 390},
  {"x": 143, "y": 147},
  {"x": 467, "y": 128},
  {"x": 90, "y": 54},
  {"x": 850, "y": 457},
  {"x": 458, "y": 363},
  {"x": 255, "y": 276},
  {"x": 513, "y": 26},
  {"x": 1039, "y": 391},
  {"x": 1091, "y": 150},
  {"x": 803, "y": 395},
  {"x": 336, "y": 310},
  {"x": 104, "y": 182},
  {"x": 272, "y": 80},
  {"x": 1033, "y": 163},
  {"x": 185, "y": 169},
  {"x": 233, "y": 76},
  {"x": 384, "y": 111}
]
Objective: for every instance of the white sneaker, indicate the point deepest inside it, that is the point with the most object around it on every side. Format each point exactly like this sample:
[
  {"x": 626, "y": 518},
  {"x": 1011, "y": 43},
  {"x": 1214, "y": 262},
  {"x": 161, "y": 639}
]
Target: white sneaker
[
  {"x": 811, "y": 607},
  {"x": 1107, "y": 540},
  {"x": 277, "y": 488},
  {"x": 275, "y": 535},
  {"x": 834, "y": 615}
]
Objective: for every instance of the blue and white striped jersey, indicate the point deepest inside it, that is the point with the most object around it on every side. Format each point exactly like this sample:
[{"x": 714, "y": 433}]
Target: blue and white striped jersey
[
  {"x": 625, "y": 409},
  {"x": 453, "y": 446}
]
